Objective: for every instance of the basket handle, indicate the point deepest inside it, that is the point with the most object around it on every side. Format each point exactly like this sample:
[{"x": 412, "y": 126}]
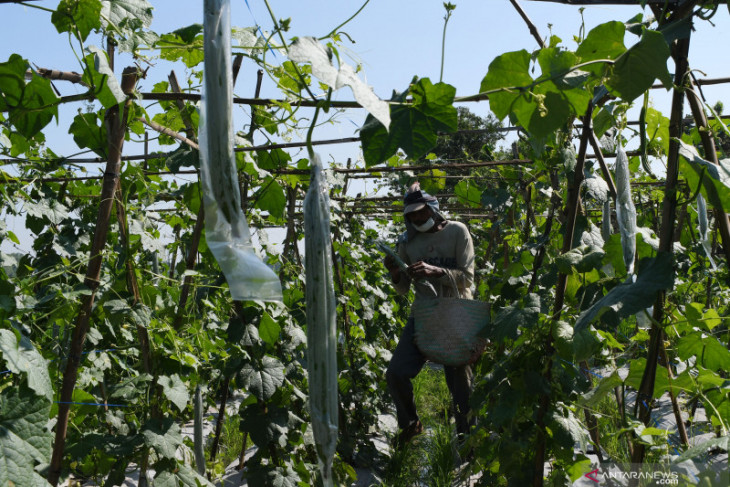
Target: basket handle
[{"x": 453, "y": 283}]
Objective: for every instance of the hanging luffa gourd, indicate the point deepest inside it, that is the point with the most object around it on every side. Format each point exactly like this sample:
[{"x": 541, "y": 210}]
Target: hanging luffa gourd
[
  {"x": 625, "y": 209},
  {"x": 226, "y": 230},
  {"x": 321, "y": 320},
  {"x": 703, "y": 228}
]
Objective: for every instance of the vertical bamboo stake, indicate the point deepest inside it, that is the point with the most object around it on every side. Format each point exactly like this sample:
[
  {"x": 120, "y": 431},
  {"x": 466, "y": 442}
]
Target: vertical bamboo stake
[
  {"x": 219, "y": 420},
  {"x": 669, "y": 208},
  {"x": 116, "y": 127}
]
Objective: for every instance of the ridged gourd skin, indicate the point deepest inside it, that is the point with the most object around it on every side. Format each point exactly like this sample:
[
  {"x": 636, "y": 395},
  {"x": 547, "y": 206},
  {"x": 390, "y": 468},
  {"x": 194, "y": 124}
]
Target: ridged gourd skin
[
  {"x": 198, "y": 447},
  {"x": 321, "y": 320},
  {"x": 625, "y": 209},
  {"x": 703, "y": 228}
]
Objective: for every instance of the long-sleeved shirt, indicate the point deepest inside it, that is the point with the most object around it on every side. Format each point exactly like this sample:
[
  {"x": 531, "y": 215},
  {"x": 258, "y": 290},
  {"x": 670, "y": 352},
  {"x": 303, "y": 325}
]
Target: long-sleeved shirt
[{"x": 450, "y": 248}]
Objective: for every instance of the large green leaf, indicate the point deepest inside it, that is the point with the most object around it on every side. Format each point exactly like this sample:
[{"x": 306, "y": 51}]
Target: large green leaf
[
  {"x": 582, "y": 259},
  {"x": 266, "y": 426},
  {"x": 107, "y": 88},
  {"x": 636, "y": 69},
  {"x": 509, "y": 70},
  {"x": 25, "y": 440},
  {"x": 269, "y": 329},
  {"x": 174, "y": 389},
  {"x": 271, "y": 197},
  {"x": 83, "y": 14},
  {"x": 709, "y": 351},
  {"x": 605, "y": 41},
  {"x": 173, "y": 473},
  {"x": 262, "y": 378},
  {"x": 274, "y": 476},
  {"x": 413, "y": 126},
  {"x": 163, "y": 436},
  {"x": 30, "y": 106},
  {"x": 125, "y": 12},
  {"x": 184, "y": 45},
  {"x": 628, "y": 298},
  {"x": 89, "y": 133},
  {"x": 21, "y": 357},
  {"x": 507, "y": 322},
  {"x": 715, "y": 179}
]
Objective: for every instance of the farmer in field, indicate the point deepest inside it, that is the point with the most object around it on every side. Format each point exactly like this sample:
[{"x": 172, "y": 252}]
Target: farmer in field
[{"x": 439, "y": 252}]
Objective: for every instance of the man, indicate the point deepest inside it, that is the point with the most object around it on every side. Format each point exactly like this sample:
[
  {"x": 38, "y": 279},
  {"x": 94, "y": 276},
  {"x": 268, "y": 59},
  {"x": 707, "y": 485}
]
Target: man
[{"x": 439, "y": 254}]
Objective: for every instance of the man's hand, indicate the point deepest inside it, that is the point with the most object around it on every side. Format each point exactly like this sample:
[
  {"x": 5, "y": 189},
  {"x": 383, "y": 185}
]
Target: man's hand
[
  {"x": 392, "y": 267},
  {"x": 423, "y": 270}
]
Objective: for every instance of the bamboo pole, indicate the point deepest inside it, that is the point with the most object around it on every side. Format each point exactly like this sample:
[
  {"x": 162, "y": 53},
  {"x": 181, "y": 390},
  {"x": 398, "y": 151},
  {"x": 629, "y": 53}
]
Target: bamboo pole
[
  {"x": 116, "y": 128},
  {"x": 643, "y": 405}
]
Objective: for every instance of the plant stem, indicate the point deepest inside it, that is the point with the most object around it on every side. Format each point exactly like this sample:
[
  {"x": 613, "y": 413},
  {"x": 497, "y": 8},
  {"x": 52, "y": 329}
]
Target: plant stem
[
  {"x": 449, "y": 9},
  {"x": 334, "y": 31}
]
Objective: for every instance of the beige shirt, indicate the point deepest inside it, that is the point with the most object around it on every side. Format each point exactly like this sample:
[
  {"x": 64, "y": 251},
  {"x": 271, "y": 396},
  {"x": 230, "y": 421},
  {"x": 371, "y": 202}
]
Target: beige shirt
[{"x": 450, "y": 248}]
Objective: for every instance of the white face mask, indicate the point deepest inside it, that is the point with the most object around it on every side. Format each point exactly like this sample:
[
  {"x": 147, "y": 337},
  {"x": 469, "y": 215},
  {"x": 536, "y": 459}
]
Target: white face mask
[{"x": 425, "y": 226}]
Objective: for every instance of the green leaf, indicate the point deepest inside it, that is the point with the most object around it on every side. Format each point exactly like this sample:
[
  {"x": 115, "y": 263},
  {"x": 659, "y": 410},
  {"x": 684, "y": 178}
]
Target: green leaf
[
  {"x": 585, "y": 344},
  {"x": 162, "y": 435},
  {"x": 173, "y": 473},
  {"x": 175, "y": 48},
  {"x": 271, "y": 197},
  {"x": 25, "y": 441},
  {"x": 124, "y": 12},
  {"x": 413, "y": 126},
  {"x": 605, "y": 386},
  {"x": 505, "y": 72},
  {"x": 267, "y": 426},
  {"x": 89, "y": 133},
  {"x": 174, "y": 390},
  {"x": 605, "y": 41},
  {"x": 636, "y": 373},
  {"x": 274, "y": 476},
  {"x": 697, "y": 450},
  {"x": 628, "y": 298},
  {"x": 563, "y": 339},
  {"x": 657, "y": 130},
  {"x": 494, "y": 199},
  {"x": 183, "y": 156},
  {"x": 583, "y": 259},
  {"x": 511, "y": 318},
  {"x": 468, "y": 193},
  {"x": 107, "y": 88},
  {"x": 22, "y": 358},
  {"x": 273, "y": 159},
  {"x": 84, "y": 14},
  {"x": 433, "y": 180},
  {"x": 636, "y": 69},
  {"x": 262, "y": 378},
  {"x": 269, "y": 329},
  {"x": 715, "y": 179},
  {"x": 51, "y": 211},
  {"x": 30, "y": 106}
]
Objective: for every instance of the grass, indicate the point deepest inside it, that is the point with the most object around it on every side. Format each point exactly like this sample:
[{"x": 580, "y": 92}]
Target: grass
[
  {"x": 229, "y": 446},
  {"x": 429, "y": 460}
]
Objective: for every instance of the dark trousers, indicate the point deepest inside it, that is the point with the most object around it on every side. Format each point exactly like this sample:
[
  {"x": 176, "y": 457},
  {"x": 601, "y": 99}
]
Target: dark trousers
[{"x": 406, "y": 363}]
